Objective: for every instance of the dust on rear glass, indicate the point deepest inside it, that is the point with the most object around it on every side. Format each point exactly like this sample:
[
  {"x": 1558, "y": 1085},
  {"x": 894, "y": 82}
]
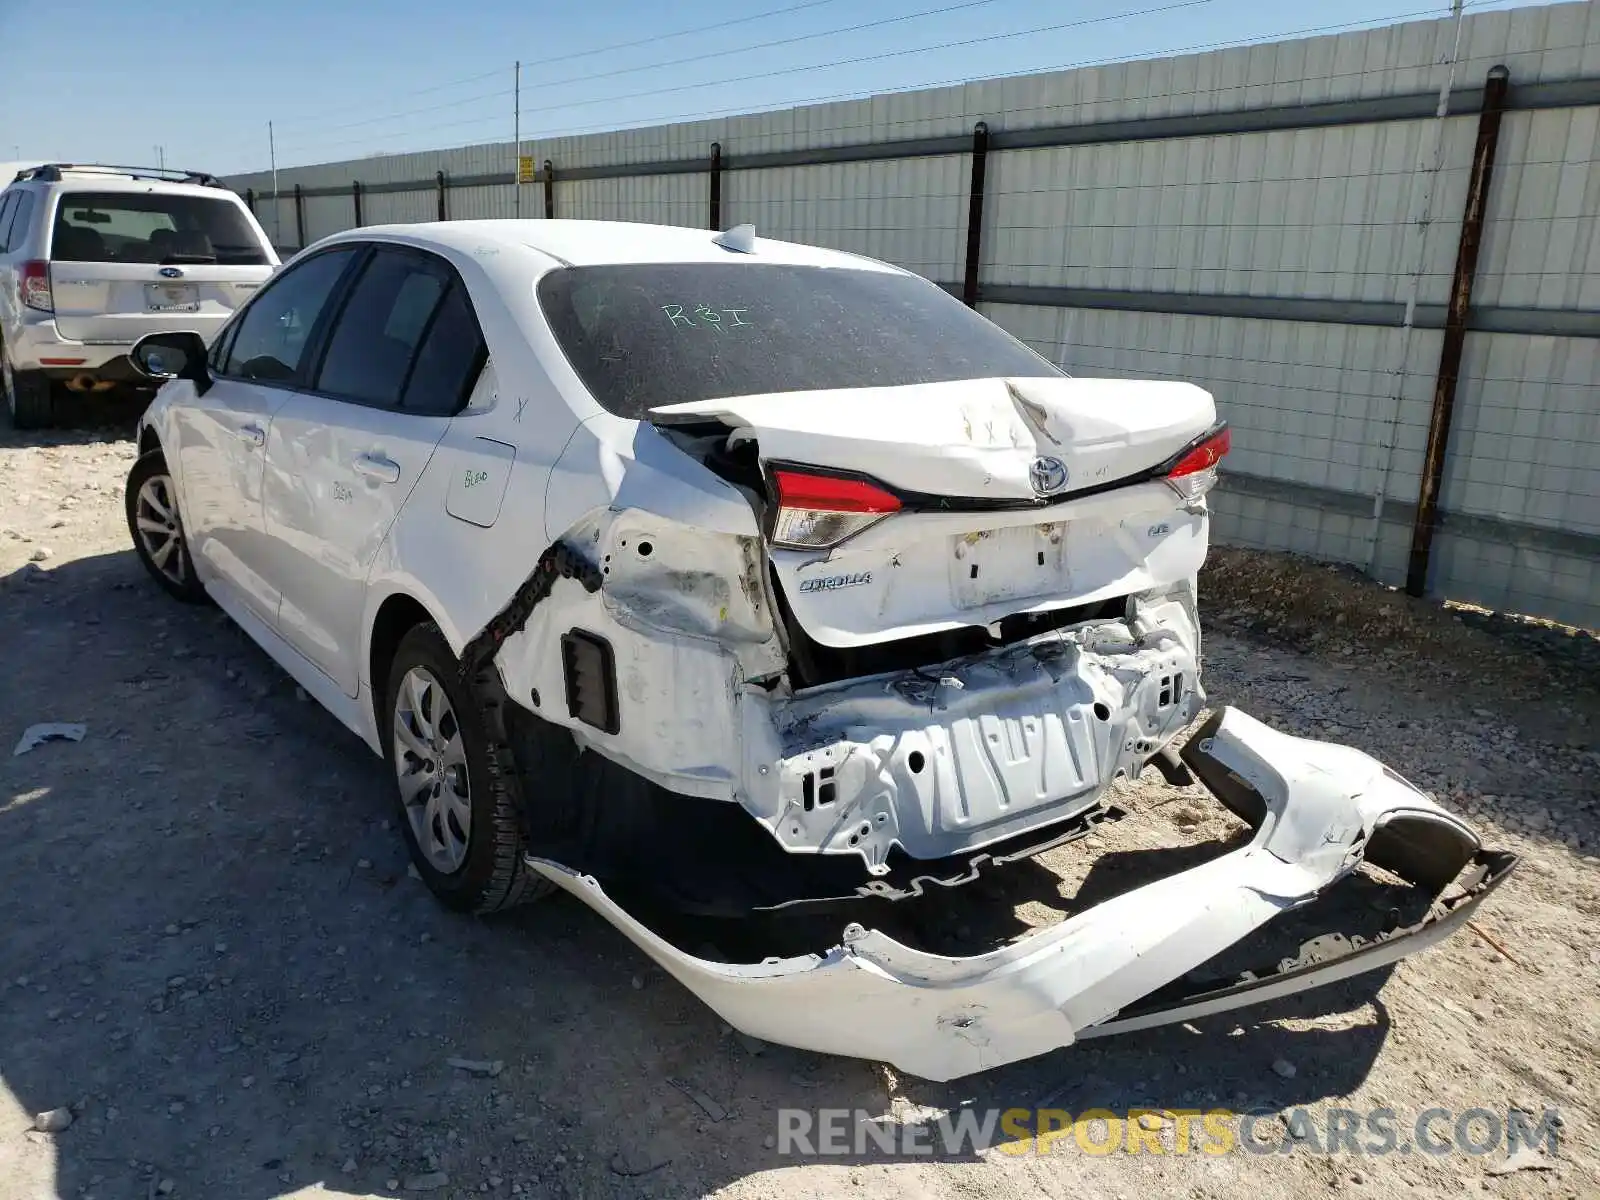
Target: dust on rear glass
[{"x": 644, "y": 335}]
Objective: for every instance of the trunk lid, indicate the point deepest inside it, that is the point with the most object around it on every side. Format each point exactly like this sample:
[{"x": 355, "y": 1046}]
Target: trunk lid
[{"x": 1017, "y": 496}]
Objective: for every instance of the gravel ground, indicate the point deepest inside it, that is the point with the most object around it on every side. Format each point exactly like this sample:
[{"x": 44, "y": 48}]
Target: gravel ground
[{"x": 214, "y": 958}]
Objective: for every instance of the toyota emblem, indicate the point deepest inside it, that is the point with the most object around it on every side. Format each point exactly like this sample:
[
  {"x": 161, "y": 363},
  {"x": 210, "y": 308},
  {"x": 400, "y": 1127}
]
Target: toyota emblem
[{"x": 1048, "y": 475}]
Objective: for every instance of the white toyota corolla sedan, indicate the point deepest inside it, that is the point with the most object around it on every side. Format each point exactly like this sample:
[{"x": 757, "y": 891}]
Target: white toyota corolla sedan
[{"x": 734, "y": 576}]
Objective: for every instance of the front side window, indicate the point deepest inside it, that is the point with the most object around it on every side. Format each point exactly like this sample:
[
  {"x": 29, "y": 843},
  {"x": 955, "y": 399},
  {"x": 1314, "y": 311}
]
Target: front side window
[
  {"x": 406, "y": 337},
  {"x": 642, "y": 335},
  {"x": 273, "y": 332},
  {"x": 153, "y": 227}
]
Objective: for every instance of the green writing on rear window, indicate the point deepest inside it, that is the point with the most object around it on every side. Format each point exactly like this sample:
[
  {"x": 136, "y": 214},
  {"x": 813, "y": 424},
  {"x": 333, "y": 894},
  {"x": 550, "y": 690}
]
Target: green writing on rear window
[{"x": 703, "y": 316}]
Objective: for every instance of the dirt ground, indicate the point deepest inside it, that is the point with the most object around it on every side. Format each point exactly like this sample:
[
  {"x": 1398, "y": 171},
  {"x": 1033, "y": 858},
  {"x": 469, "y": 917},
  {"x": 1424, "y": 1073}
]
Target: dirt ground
[{"x": 212, "y": 953}]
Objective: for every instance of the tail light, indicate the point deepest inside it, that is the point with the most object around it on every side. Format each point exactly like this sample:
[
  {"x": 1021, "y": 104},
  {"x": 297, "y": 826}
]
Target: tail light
[
  {"x": 36, "y": 286},
  {"x": 818, "y": 511},
  {"x": 1195, "y": 473}
]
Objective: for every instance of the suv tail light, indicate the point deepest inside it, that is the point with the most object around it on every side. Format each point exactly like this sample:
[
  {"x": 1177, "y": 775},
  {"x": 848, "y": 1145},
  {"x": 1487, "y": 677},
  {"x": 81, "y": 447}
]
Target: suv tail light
[
  {"x": 36, "y": 286},
  {"x": 817, "y": 511},
  {"x": 1195, "y": 473}
]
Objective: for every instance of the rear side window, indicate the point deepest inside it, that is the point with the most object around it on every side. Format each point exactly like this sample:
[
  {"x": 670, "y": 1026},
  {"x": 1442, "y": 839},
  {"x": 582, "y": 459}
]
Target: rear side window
[
  {"x": 8, "y": 207},
  {"x": 641, "y": 335},
  {"x": 274, "y": 330},
  {"x": 17, "y": 234},
  {"x": 152, "y": 227},
  {"x": 405, "y": 338},
  {"x": 449, "y": 360}
]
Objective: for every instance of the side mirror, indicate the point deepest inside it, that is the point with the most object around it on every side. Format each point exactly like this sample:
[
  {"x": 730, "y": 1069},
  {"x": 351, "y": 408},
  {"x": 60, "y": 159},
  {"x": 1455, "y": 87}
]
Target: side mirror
[{"x": 164, "y": 356}]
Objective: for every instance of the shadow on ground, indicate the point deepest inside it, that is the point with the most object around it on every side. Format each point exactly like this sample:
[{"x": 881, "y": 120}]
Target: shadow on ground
[
  {"x": 80, "y": 419},
  {"x": 213, "y": 949}
]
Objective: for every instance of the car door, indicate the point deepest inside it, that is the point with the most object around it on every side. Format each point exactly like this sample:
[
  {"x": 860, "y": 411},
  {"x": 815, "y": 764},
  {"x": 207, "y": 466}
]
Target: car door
[
  {"x": 399, "y": 360},
  {"x": 220, "y": 436}
]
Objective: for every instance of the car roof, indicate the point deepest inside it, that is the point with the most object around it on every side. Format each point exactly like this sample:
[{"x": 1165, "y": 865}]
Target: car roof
[
  {"x": 594, "y": 243},
  {"x": 96, "y": 181}
]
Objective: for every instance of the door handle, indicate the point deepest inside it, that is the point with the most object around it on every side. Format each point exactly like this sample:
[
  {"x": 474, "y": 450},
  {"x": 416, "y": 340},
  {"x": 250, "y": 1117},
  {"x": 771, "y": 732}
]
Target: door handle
[
  {"x": 253, "y": 434},
  {"x": 376, "y": 466}
]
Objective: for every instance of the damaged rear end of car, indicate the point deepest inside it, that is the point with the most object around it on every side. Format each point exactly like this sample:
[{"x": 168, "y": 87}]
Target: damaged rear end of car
[{"x": 850, "y": 598}]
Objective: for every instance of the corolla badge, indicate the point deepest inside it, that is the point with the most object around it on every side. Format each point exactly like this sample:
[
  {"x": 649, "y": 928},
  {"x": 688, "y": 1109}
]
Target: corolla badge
[
  {"x": 1048, "y": 475},
  {"x": 171, "y": 273}
]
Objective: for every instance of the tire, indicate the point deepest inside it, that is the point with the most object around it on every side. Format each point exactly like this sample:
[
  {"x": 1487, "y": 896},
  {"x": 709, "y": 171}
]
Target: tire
[
  {"x": 29, "y": 397},
  {"x": 472, "y": 865},
  {"x": 151, "y": 504}
]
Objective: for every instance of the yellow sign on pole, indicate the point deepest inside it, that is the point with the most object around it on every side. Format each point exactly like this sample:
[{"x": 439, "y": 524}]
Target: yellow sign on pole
[{"x": 525, "y": 169}]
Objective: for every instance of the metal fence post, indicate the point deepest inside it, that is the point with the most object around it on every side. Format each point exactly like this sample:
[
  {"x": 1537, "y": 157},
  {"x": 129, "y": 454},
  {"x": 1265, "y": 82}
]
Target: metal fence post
[
  {"x": 443, "y": 185},
  {"x": 549, "y": 190},
  {"x": 299, "y": 218},
  {"x": 980, "y": 162},
  {"x": 355, "y": 195},
  {"x": 715, "y": 215},
  {"x": 1455, "y": 329}
]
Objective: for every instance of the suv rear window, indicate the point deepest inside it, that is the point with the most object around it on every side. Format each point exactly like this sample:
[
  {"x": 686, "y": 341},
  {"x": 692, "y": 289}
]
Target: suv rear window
[
  {"x": 150, "y": 227},
  {"x": 642, "y": 335}
]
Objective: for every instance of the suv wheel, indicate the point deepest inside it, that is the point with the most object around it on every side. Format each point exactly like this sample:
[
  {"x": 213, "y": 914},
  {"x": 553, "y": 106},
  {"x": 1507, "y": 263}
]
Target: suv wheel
[
  {"x": 151, "y": 501},
  {"x": 28, "y": 396},
  {"x": 456, "y": 782}
]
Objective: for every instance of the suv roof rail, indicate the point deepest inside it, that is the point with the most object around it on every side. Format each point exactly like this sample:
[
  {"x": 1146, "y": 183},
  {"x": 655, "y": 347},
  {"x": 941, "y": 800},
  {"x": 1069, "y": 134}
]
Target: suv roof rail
[{"x": 52, "y": 173}]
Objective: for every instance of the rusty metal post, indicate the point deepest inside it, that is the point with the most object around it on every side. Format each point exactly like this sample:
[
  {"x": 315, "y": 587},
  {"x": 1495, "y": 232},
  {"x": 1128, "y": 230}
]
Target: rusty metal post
[
  {"x": 1455, "y": 328},
  {"x": 549, "y": 190},
  {"x": 355, "y": 195},
  {"x": 442, "y": 185},
  {"x": 299, "y": 218},
  {"x": 714, "y": 219},
  {"x": 980, "y": 162}
]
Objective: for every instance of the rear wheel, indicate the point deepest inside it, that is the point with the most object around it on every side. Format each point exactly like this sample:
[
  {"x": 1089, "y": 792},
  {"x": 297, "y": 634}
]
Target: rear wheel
[
  {"x": 456, "y": 782},
  {"x": 151, "y": 501},
  {"x": 29, "y": 398}
]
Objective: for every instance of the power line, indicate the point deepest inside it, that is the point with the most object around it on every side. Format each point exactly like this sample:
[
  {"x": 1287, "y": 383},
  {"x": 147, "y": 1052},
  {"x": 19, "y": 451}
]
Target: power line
[
  {"x": 788, "y": 41},
  {"x": 438, "y": 87},
  {"x": 814, "y": 67},
  {"x": 577, "y": 131},
  {"x": 418, "y": 111},
  {"x": 649, "y": 41},
  {"x": 676, "y": 62},
  {"x": 574, "y": 131},
  {"x": 869, "y": 58}
]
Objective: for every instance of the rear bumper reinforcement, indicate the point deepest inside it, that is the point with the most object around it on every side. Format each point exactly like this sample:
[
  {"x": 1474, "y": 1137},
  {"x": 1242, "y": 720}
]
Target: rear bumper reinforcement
[{"x": 1133, "y": 962}]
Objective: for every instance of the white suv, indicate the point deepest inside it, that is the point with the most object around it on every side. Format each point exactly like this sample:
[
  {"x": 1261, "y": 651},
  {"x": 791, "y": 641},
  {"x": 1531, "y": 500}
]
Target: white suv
[
  {"x": 709, "y": 572},
  {"x": 93, "y": 258}
]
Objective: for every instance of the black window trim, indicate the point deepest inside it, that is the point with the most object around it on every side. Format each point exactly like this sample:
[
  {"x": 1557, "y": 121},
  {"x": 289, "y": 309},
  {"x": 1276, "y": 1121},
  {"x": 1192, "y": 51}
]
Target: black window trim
[
  {"x": 335, "y": 297},
  {"x": 323, "y": 335}
]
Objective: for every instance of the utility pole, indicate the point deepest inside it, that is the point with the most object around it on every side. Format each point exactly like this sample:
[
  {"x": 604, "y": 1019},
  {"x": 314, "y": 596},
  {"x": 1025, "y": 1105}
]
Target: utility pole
[
  {"x": 516, "y": 132},
  {"x": 277, "y": 204},
  {"x": 161, "y": 158}
]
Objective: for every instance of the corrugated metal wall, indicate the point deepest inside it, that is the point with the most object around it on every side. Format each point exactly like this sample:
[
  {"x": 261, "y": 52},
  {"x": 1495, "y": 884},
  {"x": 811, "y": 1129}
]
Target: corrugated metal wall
[{"x": 1330, "y": 415}]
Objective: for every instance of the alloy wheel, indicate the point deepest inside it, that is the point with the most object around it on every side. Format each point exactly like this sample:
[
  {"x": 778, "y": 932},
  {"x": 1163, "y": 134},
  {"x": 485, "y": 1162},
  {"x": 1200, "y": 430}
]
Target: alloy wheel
[{"x": 430, "y": 762}]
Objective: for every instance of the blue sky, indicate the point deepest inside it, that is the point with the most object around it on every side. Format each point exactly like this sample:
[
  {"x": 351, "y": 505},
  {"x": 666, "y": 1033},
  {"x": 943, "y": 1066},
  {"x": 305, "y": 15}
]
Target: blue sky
[{"x": 109, "y": 80}]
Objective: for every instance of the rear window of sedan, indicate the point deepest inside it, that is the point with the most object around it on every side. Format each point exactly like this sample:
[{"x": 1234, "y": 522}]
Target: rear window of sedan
[{"x": 643, "y": 335}]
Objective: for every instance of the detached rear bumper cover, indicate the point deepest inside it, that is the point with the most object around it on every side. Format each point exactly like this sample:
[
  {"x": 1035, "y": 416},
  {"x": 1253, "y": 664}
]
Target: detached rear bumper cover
[{"x": 1318, "y": 811}]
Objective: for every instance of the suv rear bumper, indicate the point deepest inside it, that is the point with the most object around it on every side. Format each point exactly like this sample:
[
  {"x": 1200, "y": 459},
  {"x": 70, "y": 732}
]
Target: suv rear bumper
[
  {"x": 1132, "y": 962},
  {"x": 37, "y": 345}
]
